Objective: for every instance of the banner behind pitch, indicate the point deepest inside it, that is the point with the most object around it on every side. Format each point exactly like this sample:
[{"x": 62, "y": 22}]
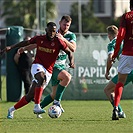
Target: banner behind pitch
[{"x": 88, "y": 80}]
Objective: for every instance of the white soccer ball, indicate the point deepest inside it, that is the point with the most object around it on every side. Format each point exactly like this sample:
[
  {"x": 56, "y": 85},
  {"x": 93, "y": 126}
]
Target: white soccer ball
[{"x": 54, "y": 111}]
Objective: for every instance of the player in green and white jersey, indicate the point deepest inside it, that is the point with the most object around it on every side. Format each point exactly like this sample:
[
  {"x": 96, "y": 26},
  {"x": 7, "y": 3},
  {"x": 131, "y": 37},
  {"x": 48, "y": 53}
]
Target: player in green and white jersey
[
  {"x": 109, "y": 88},
  {"x": 60, "y": 77}
]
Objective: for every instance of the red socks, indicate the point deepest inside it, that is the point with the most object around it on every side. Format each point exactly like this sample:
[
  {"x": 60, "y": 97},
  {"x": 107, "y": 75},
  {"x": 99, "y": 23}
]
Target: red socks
[
  {"x": 22, "y": 102},
  {"x": 38, "y": 95},
  {"x": 118, "y": 93}
]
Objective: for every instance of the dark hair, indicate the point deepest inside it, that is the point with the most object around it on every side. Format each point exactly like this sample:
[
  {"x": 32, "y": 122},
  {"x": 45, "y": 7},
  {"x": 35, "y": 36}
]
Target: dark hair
[
  {"x": 131, "y": 4},
  {"x": 52, "y": 24},
  {"x": 67, "y": 18}
]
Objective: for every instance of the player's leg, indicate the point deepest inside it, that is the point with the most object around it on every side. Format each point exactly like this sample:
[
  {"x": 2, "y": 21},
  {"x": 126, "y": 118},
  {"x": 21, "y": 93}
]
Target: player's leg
[
  {"x": 49, "y": 98},
  {"x": 60, "y": 80},
  {"x": 109, "y": 91},
  {"x": 118, "y": 94},
  {"x": 124, "y": 68},
  {"x": 65, "y": 79},
  {"x": 55, "y": 82},
  {"x": 42, "y": 78},
  {"x": 22, "y": 102},
  {"x": 57, "y": 76}
]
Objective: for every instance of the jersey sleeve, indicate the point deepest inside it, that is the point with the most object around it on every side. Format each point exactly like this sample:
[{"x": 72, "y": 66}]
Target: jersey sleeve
[
  {"x": 123, "y": 21},
  {"x": 120, "y": 36},
  {"x": 73, "y": 38},
  {"x": 110, "y": 48},
  {"x": 63, "y": 44},
  {"x": 33, "y": 40}
]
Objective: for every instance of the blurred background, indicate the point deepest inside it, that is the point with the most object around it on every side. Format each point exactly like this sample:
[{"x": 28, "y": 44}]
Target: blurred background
[{"x": 89, "y": 21}]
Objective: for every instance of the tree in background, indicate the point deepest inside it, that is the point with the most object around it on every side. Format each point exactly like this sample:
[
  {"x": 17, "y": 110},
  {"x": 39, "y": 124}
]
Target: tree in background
[
  {"x": 90, "y": 24},
  {"x": 23, "y": 12}
]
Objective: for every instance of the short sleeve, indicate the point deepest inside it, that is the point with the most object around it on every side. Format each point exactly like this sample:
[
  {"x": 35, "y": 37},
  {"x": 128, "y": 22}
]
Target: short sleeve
[
  {"x": 123, "y": 21},
  {"x": 73, "y": 38},
  {"x": 33, "y": 40},
  {"x": 63, "y": 44}
]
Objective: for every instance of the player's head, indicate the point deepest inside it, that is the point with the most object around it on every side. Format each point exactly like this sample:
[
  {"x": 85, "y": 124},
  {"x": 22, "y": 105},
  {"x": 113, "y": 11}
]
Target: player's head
[
  {"x": 51, "y": 30},
  {"x": 131, "y": 4},
  {"x": 112, "y": 31},
  {"x": 65, "y": 23}
]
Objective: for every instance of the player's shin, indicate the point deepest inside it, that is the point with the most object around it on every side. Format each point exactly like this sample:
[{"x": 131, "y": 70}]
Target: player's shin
[
  {"x": 118, "y": 93},
  {"x": 22, "y": 102},
  {"x": 46, "y": 101},
  {"x": 59, "y": 92}
]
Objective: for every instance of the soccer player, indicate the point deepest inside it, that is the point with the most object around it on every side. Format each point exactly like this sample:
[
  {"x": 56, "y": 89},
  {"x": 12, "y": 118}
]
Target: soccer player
[
  {"x": 112, "y": 31},
  {"x": 125, "y": 65},
  {"x": 60, "y": 77},
  {"x": 48, "y": 47}
]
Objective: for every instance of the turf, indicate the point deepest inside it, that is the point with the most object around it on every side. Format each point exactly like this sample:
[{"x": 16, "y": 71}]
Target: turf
[{"x": 79, "y": 117}]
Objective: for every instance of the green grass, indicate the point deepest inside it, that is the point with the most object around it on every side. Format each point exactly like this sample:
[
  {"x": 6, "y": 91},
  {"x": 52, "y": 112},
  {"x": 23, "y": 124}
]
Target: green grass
[{"x": 79, "y": 117}]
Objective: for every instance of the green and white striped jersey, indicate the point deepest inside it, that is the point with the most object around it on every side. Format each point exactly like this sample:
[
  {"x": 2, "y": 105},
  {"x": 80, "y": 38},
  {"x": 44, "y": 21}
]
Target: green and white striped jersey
[
  {"x": 61, "y": 60},
  {"x": 111, "y": 47}
]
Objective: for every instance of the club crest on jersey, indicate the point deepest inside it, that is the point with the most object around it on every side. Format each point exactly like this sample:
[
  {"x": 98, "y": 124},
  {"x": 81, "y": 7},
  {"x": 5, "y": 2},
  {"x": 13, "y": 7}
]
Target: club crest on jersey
[
  {"x": 52, "y": 44},
  {"x": 41, "y": 42}
]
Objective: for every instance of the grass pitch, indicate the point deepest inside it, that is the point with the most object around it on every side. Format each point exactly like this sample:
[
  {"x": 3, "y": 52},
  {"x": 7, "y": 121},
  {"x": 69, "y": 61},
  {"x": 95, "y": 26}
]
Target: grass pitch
[{"x": 79, "y": 117}]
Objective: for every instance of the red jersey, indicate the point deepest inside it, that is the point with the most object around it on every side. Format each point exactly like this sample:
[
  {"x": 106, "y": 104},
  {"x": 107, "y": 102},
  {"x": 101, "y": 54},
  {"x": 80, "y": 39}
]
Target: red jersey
[
  {"x": 47, "y": 51},
  {"x": 127, "y": 23}
]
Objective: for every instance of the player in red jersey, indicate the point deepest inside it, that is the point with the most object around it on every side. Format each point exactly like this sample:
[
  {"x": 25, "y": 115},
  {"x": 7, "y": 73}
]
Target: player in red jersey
[
  {"x": 126, "y": 59},
  {"x": 48, "y": 47}
]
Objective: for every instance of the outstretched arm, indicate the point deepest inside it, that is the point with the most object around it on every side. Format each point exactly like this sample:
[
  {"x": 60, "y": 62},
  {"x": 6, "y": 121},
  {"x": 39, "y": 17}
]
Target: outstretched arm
[
  {"x": 28, "y": 48},
  {"x": 18, "y": 45}
]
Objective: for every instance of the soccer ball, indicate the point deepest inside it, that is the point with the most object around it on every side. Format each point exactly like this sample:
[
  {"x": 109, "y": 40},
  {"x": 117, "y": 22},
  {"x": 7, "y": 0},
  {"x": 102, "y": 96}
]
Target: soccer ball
[{"x": 54, "y": 111}]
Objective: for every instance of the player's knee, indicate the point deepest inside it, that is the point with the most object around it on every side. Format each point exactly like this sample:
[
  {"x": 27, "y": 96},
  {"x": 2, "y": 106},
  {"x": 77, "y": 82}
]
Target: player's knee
[
  {"x": 67, "y": 77},
  {"x": 105, "y": 90},
  {"x": 40, "y": 79}
]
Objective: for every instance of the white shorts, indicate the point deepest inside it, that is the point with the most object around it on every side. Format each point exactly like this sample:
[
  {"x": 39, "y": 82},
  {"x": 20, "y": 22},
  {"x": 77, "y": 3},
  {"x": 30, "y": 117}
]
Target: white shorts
[
  {"x": 36, "y": 68},
  {"x": 125, "y": 65}
]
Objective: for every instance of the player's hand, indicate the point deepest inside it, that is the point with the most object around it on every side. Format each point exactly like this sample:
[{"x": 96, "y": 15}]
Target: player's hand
[
  {"x": 60, "y": 36},
  {"x": 107, "y": 76},
  {"x": 20, "y": 50},
  {"x": 114, "y": 57},
  {"x": 72, "y": 65},
  {"x": 8, "y": 48}
]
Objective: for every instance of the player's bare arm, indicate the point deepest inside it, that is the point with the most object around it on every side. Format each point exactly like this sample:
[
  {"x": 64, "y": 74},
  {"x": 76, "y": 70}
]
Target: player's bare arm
[
  {"x": 108, "y": 66},
  {"x": 28, "y": 48},
  {"x": 71, "y": 45},
  {"x": 18, "y": 45}
]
